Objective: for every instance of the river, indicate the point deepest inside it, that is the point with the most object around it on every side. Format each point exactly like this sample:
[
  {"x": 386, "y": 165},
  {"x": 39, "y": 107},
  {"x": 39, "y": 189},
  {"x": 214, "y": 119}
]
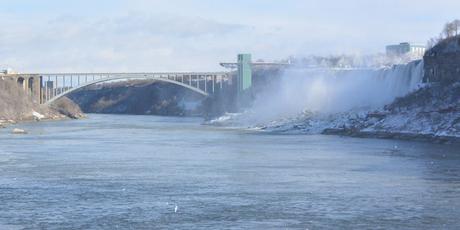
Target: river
[{"x": 147, "y": 172}]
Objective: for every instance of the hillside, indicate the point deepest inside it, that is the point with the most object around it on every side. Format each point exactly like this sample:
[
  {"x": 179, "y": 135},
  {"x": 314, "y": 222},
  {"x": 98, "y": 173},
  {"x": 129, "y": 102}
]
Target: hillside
[
  {"x": 17, "y": 106},
  {"x": 138, "y": 97}
]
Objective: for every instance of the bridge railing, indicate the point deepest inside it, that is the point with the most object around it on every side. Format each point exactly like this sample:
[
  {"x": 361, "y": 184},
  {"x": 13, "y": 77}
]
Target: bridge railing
[{"x": 58, "y": 84}]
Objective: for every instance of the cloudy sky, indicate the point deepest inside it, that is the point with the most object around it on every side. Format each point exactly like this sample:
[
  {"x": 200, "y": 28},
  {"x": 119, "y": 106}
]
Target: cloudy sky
[{"x": 194, "y": 35}]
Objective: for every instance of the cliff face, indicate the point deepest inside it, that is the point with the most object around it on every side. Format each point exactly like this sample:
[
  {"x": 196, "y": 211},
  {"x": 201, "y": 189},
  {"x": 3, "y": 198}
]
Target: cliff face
[
  {"x": 14, "y": 103},
  {"x": 442, "y": 62},
  {"x": 17, "y": 106},
  {"x": 139, "y": 97}
]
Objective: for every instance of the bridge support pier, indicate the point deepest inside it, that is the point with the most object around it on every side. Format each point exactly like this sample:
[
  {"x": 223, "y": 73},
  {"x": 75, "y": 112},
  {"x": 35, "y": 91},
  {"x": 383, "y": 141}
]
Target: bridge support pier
[{"x": 30, "y": 83}]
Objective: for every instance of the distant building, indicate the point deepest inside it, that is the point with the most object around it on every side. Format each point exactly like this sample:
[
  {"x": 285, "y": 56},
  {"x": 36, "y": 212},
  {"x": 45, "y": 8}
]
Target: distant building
[
  {"x": 8, "y": 71},
  {"x": 406, "y": 48}
]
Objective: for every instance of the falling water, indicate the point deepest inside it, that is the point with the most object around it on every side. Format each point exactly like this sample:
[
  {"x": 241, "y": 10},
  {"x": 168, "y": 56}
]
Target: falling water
[{"x": 330, "y": 91}]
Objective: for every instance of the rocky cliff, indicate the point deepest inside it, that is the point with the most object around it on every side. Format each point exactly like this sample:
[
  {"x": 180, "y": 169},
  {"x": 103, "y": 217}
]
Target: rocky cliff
[
  {"x": 17, "y": 106},
  {"x": 139, "y": 97},
  {"x": 442, "y": 62}
]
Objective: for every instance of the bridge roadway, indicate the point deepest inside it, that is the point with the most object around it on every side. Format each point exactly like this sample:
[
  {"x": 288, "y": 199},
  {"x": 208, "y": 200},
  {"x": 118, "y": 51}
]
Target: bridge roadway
[
  {"x": 48, "y": 87},
  {"x": 57, "y": 85}
]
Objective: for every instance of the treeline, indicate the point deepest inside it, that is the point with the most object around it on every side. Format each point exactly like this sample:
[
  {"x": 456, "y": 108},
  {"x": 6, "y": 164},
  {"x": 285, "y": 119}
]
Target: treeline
[{"x": 450, "y": 30}]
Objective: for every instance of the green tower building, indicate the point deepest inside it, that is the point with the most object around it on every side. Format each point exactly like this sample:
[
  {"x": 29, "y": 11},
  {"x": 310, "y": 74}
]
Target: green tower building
[
  {"x": 244, "y": 72},
  {"x": 244, "y": 80}
]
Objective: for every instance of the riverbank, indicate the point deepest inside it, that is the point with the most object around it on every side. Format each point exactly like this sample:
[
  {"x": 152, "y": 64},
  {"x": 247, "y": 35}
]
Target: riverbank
[
  {"x": 431, "y": 113},
  {"x": 16, "y": 106}
]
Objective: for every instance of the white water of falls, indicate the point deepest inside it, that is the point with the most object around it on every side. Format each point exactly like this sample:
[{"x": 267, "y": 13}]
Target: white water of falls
[{"x": 330, "y": 92}]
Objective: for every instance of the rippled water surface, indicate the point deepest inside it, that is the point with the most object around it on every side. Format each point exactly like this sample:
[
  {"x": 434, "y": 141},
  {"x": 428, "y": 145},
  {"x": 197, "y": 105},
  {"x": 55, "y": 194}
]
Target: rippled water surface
[{"x": 145, "y": 172}]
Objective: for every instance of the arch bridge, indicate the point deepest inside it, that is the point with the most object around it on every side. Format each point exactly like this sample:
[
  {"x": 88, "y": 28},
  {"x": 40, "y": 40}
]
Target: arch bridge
[{"x": 49, "y": 87}]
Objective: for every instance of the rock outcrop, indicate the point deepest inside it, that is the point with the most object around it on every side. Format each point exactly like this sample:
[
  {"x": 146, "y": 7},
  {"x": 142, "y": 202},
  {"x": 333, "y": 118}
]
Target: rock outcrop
[
  {"x": 67, "y": 107},
  {"x": 17, "y": 106},
  {"x": 442, "y": 62},
  {"x": 18, "y": 131}
]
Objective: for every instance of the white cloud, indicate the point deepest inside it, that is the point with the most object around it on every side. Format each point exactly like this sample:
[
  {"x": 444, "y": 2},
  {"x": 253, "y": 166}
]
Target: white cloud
[
  {"x": 174, "y": 35},
  {"x": 126, "y": 43}
]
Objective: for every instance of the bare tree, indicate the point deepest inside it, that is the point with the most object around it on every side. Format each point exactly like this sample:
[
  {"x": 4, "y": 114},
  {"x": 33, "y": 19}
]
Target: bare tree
[
  {"x": 432, "y": 42},
  {"x": 456, "y": 26},
  {"x": 448, "y": 30},
  {"x": 451, "y": 29}
]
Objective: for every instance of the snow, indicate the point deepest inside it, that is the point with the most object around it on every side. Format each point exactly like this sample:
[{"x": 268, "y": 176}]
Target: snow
[
  {"x": 430, "y": 110},
  {"x": 37, "y": 115}
]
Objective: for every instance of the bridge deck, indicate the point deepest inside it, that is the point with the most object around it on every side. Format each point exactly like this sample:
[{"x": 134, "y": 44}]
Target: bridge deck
[{"x": 57, "y": 85}]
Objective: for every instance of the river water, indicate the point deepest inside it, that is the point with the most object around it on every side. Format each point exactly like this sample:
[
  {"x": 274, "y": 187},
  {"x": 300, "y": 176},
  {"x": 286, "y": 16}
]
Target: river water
[{"x": 146, "y": 172}]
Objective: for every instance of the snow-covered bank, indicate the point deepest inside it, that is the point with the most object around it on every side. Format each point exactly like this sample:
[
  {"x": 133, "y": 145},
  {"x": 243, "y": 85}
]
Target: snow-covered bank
[{"x": 431, "y": 113}]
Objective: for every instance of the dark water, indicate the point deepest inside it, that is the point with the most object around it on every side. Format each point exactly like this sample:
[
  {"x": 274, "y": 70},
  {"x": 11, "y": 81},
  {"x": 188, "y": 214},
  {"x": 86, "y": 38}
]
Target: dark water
[{"x": 143, "y": 172}]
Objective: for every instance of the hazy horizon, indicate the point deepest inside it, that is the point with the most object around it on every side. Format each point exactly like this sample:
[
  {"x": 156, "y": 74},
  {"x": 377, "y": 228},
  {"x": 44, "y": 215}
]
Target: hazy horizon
[{"x": 141, "y": 35}]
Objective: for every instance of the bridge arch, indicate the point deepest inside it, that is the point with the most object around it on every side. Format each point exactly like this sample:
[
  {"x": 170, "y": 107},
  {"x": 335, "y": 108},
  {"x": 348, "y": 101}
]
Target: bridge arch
[
  {"x": 21, "y": 82},
  {"x": 30, "y": 85},
  {"x": 197, "y": 90}
]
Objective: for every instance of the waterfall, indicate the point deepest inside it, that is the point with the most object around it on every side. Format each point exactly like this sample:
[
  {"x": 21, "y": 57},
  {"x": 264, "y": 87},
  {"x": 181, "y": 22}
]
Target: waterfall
[
  {"x": 400, "y": 79},
  {"x": 329, "y": 91}
]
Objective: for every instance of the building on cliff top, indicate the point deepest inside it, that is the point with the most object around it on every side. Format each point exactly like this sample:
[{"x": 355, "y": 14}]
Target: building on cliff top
[
  {"x": 442, "y": 62},
  {"x": 406, "y": 48}
]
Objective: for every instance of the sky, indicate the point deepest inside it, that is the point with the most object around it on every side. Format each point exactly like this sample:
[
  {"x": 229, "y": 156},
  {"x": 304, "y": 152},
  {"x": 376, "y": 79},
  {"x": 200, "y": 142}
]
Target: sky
[{"x": 41, "y": 36}]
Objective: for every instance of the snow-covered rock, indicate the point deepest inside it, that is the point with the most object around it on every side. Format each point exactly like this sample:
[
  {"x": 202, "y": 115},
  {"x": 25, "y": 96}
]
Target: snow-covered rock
[
  {"x": 37, "y": 115},
  {"x": 432, "y": 112},
  {"x": 19, "y": 131}
]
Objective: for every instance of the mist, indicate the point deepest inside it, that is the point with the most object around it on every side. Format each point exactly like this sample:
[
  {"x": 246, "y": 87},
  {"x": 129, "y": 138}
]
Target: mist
[{"x": 328, "y": 91}]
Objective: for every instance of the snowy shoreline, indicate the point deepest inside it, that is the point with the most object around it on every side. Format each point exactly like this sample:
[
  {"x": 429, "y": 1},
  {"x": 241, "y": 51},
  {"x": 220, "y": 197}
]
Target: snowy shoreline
[
  {"x": 394, "y": 135},
  {"x": 431, "y": 114}
]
